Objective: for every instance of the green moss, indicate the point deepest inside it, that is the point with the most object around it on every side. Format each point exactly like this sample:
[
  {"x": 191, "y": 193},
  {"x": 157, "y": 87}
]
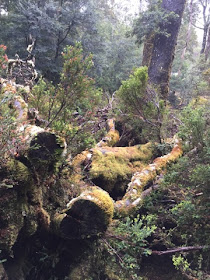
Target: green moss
[
  {"x": 112, "y": 165},
  {"x": 104, "y": 202},
  {"x": 19, "y": 171}
]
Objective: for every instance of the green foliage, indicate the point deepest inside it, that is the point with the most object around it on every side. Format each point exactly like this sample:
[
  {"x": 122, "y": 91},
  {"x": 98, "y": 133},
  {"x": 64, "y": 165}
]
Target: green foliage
[
  {"x": 42, "y": 93},
  {"x": 9, "y": 139},
  {"x": 152, "y": 21},
  {"x": 133, "y": 90},
  {"x": 55, "y": 24},
  {"x": 3, "y": 59},
  {"x": 129, "y": 241},
  {"x": 193, "y": 125},
  {"x": 120, "y": 54},
  {"x": 180, "y": 263},
  {"x": 69, "y": 107},
  {"x": 201, "y": 175},
  {"x": 140, "y": 103},
  {"x": 181, "y": 206}
]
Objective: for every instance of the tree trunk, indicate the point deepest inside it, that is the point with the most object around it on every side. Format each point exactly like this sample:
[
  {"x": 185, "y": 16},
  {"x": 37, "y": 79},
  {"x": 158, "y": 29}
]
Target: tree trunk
[
  {"x": 162, "y": 53},
  {"x": 204, "y": 42},
  {"x": 189, "y": 30},
  {"x": 207, "y": 50},
  {"x": 206, "y": 23}
]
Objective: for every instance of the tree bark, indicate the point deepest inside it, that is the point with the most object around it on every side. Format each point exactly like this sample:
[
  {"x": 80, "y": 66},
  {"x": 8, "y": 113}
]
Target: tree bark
[
  {"x": 162, "y": 49},
  {"x": 188, "y": 35},
  {"x": 207, "y": 50},
  {"x": 204, "y": 42},
  {"x": 206, "y": 21}
]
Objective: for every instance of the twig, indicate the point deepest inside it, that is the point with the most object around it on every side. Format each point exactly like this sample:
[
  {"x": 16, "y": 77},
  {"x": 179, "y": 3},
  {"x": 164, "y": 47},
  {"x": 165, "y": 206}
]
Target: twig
[
  {"x": 180, "y": 249},
  {"x": 114, "y": 251}
]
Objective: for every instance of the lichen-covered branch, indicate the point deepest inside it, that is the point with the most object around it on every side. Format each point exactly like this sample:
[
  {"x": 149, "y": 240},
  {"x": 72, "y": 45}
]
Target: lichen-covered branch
[{"x": 134, "y": 194}]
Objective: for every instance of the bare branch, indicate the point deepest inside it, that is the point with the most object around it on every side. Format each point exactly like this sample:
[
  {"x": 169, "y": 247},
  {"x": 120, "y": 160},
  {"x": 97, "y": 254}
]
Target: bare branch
[{"x": 180, "y": 249}]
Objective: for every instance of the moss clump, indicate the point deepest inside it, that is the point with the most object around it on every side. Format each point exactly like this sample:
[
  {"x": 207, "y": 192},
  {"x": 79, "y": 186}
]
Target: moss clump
[
  {"x": 113, "y": 166},
  {"x": 110, "y": 139},
  {"x": 104, "y": 201},
  {"x": 18, "y": 170}
]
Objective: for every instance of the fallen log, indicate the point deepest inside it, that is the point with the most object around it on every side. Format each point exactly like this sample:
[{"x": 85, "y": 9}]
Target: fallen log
[
  {"x": 87, "y": 215},
  {"x": 112, "y": 136},
  {"x": 134, "y": 193},
  {"x": 34, "y": 146}
]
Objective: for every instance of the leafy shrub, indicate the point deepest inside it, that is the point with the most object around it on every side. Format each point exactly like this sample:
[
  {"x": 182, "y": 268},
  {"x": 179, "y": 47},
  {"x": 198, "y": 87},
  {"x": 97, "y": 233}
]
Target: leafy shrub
[
  {"x": 140, "y": 102},
  {"x": 70, "y": 107},
  {"x": 129, "y": 241},
  {"x": 180, "y": 263},
  {"x": 192, "y": 129},
  {"x": 8, "y": 139},
  {"x": 3, "y": 59}
]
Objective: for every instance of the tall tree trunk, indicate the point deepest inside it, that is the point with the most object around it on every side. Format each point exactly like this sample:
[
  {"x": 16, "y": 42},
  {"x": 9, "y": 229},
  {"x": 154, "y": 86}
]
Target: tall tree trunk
[
  {"x": 207, "y": 50},
  {"x": 189, "y": 31},
  {"x": 163, "y": 47},
  {"x": 206, "y": 21},
  {"x": 204, "y": 42}
]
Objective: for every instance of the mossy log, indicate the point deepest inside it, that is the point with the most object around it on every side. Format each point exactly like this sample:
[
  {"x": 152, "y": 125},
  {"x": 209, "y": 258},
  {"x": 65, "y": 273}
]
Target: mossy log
[
  {"x": 111, "y": 168},
  {"x": 134, "y": 194},
  {"x": 40, "y": 148},
  {"x": 112, "y": 136},
  {"x": 35, "y": 146},
  {"x": 86, "y": 215}
]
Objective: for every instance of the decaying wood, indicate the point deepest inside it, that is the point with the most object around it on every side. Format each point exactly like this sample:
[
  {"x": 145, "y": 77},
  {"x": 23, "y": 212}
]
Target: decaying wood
[
  {"x": 34, "y": 144},
  {"x": 86, "y": 215}
]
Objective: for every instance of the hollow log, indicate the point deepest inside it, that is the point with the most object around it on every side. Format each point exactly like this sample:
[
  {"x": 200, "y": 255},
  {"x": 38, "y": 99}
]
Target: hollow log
[{"x": 86, "y": 215}]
